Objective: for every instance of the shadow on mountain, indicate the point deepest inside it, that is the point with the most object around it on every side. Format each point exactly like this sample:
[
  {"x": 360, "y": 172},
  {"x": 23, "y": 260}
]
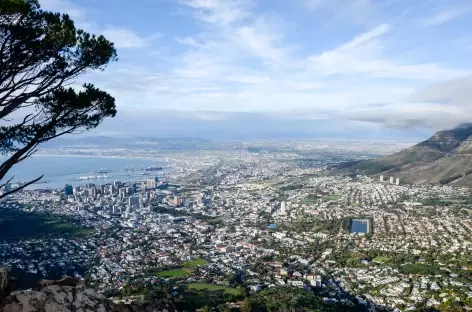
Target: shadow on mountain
[{"x": 444, "y": 158}]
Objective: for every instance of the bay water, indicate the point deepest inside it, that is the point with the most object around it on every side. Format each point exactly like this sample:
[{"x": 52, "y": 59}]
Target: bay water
[{"x": 62, "y": 170}]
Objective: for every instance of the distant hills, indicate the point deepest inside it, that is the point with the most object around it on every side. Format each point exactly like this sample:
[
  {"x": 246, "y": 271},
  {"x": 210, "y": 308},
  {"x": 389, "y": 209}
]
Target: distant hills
[
  {"x": 444, "y": 158},
  {"x": 131, "y": 142}
]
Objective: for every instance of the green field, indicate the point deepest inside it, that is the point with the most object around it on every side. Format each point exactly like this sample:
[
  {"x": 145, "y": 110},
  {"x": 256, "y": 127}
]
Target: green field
[
  {"x": 16, "y": 225},
  {"x": 174, "y": 273},
  {"x": 185, "y": 270},
  {"x": 194, "y": 263},
  {"x": 381, "y": 259},
  {"x": 213, "y": 287},
  {"x": 333, "y": 197},
  {"x": 309, "y": 200}
]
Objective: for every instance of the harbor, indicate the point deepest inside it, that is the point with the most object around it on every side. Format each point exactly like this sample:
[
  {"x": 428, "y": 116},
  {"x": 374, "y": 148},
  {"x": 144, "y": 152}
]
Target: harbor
[{"x": 79, "y": 170}]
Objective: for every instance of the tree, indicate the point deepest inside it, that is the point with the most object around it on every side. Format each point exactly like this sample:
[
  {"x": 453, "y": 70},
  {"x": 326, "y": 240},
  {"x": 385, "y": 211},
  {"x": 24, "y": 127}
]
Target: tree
[
  {"x": 41, "y": 55},
  {"x": 245, "y": 306}
]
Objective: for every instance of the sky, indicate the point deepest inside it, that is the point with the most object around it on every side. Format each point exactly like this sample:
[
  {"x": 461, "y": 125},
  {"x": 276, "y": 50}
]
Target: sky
[{"x": 389, "y": 68}]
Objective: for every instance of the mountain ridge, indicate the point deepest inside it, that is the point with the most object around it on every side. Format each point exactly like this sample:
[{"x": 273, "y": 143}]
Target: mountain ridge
[{"x": 444, "y": 158}]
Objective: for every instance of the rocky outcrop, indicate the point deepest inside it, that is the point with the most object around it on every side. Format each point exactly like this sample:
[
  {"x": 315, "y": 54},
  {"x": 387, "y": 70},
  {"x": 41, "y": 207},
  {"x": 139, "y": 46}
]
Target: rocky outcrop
[
  {"x": 64, "y": 281},
  {"x": 68, "y": 295},
  {"x": 7, "y": 283}
]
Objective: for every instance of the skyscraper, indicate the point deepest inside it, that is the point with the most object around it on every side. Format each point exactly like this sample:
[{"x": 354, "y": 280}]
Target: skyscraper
[
  {"x": 93, "y": 192},
  {"x": 122, "y": 193},
  {"x": 133, "y": 201},
  {"x": 381, "y": 178},
  {"x": 177, "y": 201},
  {"x": 283, "y": 207},
  {"x": 397, "y": 181},
  {"x": 151, "y": 183},
  {"x": 391, "y": 180},
  {"x": 68, "y": 190}
]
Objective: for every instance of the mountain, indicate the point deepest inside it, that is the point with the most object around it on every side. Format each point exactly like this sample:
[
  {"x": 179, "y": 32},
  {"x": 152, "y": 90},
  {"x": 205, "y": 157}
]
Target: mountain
[
  {"x": 128, "y": 142},
  {"x": 444, "y": 158}
]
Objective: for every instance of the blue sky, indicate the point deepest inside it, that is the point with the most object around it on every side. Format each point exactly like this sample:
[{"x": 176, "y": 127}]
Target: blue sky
[{"x": 393, "y": 64}]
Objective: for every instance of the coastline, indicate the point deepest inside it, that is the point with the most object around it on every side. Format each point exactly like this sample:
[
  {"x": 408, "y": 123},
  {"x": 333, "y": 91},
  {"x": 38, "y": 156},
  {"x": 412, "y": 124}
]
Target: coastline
[{"x": 97, "y": 156}]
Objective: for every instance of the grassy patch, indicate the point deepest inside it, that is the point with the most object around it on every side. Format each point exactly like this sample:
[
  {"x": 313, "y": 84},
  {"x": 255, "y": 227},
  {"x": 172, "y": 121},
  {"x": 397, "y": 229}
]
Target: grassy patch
[
  {"x": 381, "y": 259},
  {"x": 174, "y": 273},
  {"x": 333, "y": 197},
  {"x": 309, "y": 200},
  {"x": 213, "y": 287},
  {"x": 194, "y": 263}
]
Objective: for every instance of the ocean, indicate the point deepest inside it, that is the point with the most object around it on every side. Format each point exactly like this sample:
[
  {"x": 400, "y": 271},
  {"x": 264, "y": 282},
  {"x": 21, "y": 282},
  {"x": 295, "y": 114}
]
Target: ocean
[{"x": 62, "y": 170}]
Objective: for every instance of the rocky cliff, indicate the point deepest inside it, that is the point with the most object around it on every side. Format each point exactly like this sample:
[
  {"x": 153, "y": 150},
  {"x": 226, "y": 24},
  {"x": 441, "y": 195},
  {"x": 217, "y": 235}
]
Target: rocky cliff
[{"x": 69, "y": 295}]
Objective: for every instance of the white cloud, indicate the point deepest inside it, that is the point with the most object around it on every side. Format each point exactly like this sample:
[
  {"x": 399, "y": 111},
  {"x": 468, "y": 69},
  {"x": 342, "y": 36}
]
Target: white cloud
[
  {"x": 221, "y": 12},
  {"x": 123, "y": 38},
  {"x": 365, "y": 55},
  {"x": 240, "y": 57},
  {"x": 453, "y": 93},
  {"x": 63, "y": 6},
  {"x": 444, "y": 16},
  {"x": 366, "y": 37}
]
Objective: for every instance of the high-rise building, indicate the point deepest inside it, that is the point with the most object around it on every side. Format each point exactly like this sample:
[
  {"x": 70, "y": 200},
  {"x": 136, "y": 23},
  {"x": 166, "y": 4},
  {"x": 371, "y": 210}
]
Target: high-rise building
[
  {"x": 151, "y": 183},
  {"x": 117, "y": 184},
  {"x": 122, "y": 193},
  {"x": 135, "y": 188},
  {"x": 111, "y": 189},
  {"x": 177, "y": 201},
  {"x": 68, "y": 190},
  {"x": 381, "y": 178},
  {"x": 129, "y": 190},
  {"x": 283, "y": 207},
  {"x": 391, "y": 180},
  {"x": 93, "y": 192},
  {"x": 134, "y": 201},
  {"x": 397, "y": 181}
]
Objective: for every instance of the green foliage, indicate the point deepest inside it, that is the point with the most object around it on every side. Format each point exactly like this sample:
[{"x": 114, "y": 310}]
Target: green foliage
[
  {"x": 174, "y": 273},
  {"x": 294, "y": 299},
  {"x": 214, "y": 287},
  {"x": 16, "y": 225},
  {"x": 420, "y": 268},
  {"x": 41, "y": 53}
]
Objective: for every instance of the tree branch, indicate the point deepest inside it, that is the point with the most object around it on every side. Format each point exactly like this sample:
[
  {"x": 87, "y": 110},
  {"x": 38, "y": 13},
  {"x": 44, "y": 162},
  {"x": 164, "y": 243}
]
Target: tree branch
[
  {"x": 9, "y": 180},
  {"x": 21, "y": 187}
]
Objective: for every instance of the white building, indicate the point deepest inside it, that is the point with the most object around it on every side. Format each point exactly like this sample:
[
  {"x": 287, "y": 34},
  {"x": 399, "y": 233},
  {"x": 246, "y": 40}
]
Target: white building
[{"x": 283, "y": 207}]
